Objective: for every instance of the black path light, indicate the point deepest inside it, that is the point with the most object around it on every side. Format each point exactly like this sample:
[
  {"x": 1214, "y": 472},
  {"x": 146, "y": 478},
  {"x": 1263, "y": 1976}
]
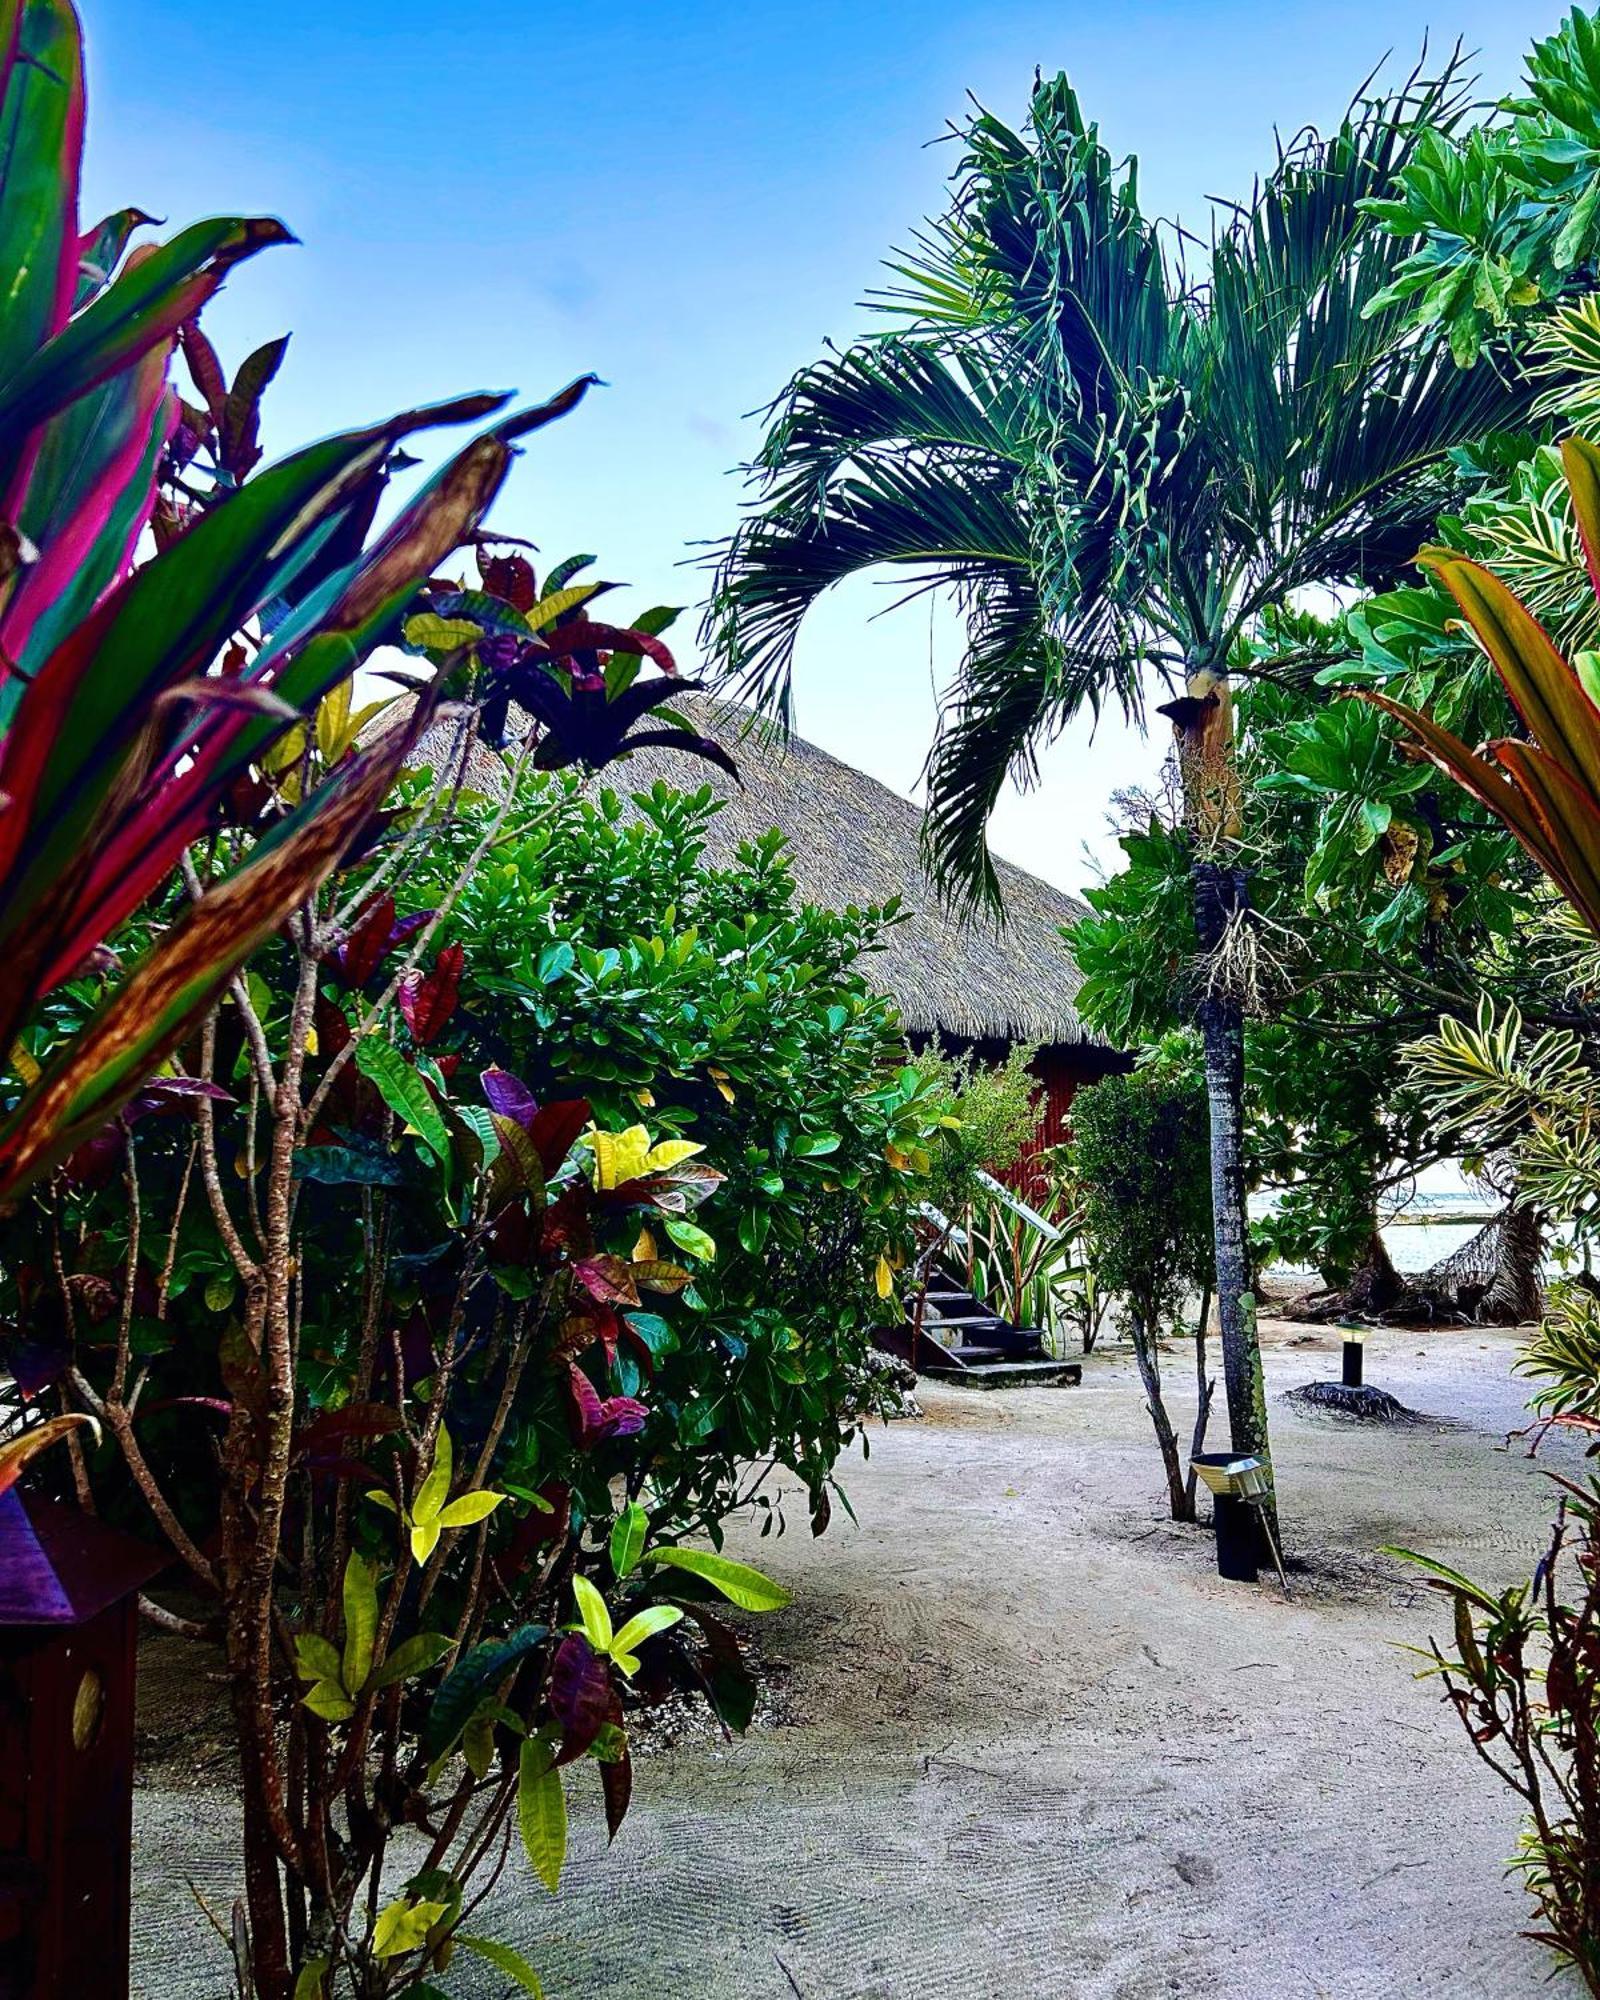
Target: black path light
[
  {"x": 1352, "y": 1395},
  {"x": 68, "y": 1615},
  {"x": 1239, "y": 1486}
]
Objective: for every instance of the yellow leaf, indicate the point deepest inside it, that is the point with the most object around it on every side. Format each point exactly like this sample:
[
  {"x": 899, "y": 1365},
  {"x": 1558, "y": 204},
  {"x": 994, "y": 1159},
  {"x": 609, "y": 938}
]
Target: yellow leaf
[
  {"x": 550, "y": 608},
  {"x": 404, "y": 1927},
  {"x": 333, "y": 716},
  {"x": 885, "y": 1279},
  {"x": 592, "y": 1610},
  {"x": 23, "y": 1066},
  {"x": 619, "y": 1156},
  {"x": 310, "y": 1986},
  {"x": 898, "y": 1160},
  {"x": 726, "y": 1089},
  {"x": 441, "y": 635},
  {"x": 644, "y": 1248},
  {"x": 645, "y": 1099},
  {"x": 286, "y": 752},
  {"x": 670, "y": 1153}
]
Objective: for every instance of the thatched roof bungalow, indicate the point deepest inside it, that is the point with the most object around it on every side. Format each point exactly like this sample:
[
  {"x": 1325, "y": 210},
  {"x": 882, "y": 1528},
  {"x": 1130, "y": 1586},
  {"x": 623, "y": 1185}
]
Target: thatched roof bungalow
[{"x": 970, "y": 983}]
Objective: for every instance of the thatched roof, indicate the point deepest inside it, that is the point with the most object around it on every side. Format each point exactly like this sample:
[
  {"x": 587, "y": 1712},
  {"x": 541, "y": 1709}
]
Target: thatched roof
[{"x": 854, "y": 841}]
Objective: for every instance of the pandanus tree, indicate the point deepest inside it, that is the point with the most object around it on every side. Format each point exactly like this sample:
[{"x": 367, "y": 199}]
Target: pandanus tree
[{"x": 1118, "y": 468}]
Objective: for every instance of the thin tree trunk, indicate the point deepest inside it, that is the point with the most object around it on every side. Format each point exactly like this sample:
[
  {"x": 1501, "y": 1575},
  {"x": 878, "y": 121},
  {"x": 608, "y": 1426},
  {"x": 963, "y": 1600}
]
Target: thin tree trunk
[
  {"x": 1143, "y": 1335},
  {"x": 1222, "y": 1029},
  {"x": 1202, "y": 721},
  {"x": 1205, "y": 1388}
]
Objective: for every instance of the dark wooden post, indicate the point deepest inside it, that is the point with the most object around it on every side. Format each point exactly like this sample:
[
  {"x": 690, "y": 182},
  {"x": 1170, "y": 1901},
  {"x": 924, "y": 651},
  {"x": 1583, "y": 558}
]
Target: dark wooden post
[{"x": 68, "y": 1617}]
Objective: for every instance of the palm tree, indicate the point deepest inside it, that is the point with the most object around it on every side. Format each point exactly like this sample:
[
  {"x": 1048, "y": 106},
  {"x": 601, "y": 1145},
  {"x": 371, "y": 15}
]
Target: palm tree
[{"x": 1118, "y": 469}]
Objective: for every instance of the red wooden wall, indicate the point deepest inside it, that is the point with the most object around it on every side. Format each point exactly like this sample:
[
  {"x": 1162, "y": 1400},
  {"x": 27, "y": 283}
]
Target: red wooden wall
[{"x": 1062, "y": 1069}]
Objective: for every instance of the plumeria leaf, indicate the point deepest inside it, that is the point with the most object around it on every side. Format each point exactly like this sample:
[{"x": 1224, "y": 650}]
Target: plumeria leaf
[
  {"x": 628, "y": 1533},
  {"x": 504, "y": 1959},
  {"x": 643, "y": 1625},
  {"x": 360, "y": 1596},
  {"x": 412, "y": 1656},
  {"x": 469, "y": 1508}
]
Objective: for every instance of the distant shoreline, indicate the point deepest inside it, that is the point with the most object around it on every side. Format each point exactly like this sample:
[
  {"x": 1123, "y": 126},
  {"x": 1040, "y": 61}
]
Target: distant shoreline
[{"x": 1432, "y": 1218}]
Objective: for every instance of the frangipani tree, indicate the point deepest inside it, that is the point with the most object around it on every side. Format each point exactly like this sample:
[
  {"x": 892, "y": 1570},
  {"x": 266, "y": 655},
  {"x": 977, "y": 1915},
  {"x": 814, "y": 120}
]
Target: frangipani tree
[{"x": 1118, "y": 467}]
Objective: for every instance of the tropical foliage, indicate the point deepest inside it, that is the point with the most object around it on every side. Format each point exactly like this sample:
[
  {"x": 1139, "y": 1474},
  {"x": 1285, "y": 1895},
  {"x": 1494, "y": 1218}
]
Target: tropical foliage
[
  {"x": 1120, "y": 472},
  {"x": 424, "y": 1379},
  {"x": 519, "y": 1209},
  {"x": 123, "y": 740},
  {"x": 1138, "y": 1163},
  {"x": 1520, "y": 1668},
  {"x": 1504, "y": 216}
]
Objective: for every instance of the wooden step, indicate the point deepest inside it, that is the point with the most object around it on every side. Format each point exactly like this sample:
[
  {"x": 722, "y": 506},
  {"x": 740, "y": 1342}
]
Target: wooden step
[{"x": 1010, "y": 1374}]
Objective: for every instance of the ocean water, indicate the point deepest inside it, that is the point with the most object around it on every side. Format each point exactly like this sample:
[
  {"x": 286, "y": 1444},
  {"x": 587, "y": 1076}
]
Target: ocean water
[{"x": 1412, "y": 1246}]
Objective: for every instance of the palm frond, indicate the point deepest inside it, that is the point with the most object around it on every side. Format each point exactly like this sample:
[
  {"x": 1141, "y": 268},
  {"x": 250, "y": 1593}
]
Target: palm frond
[
  {"x": 887, "y": 454},
  {"x": 1343, "y": 416},
  {"x": 1020, "y": 682},
  {"x": 1045, "y": 236}
]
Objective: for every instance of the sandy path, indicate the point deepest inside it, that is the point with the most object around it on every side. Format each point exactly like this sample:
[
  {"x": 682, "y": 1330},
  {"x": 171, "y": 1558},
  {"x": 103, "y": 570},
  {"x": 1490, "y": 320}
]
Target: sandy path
[{"x": 1042, "y": 1750}]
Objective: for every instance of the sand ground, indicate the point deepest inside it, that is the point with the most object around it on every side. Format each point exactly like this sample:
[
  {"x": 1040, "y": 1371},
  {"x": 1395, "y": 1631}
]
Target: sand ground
[{"x": 1035, "y": 1746}]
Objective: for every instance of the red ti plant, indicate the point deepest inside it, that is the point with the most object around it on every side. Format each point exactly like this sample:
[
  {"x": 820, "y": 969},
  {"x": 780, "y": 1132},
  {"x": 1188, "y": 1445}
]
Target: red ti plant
[{"x": 136, "y": 696}]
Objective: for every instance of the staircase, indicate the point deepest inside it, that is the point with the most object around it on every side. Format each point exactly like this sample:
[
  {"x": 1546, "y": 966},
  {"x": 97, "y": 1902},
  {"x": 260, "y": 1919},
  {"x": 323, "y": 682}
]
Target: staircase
[{"x": 962, "y": 1340}]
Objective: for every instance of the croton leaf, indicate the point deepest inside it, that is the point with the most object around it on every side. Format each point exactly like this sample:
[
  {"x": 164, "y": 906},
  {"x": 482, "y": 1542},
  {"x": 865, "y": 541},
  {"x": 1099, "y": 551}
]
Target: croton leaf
[
  {"x": 583, "y": 1698},
  {"x": 405, "y": 1092},
  {"x": 554, "y": 1130},
  {"x": 597, "y": 1418},
  {"x": 428, "y": 999},
  {"x": 511, "y": 577},
  {"x": 361, "y": 953},
  {"x": 508, "y": 1097},
  {"x": 483, "y": 1667}
]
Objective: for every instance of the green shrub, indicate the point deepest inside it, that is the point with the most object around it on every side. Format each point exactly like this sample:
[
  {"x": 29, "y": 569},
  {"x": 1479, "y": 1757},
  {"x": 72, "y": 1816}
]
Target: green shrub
[
  {"x": 486, "y": 1246},
  {"x": 1140, "y": 1156}
]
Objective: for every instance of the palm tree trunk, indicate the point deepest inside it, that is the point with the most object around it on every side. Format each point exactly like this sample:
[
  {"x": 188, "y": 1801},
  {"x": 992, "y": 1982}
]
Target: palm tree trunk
[
  {"x": 1218, "y": 892},
  {"x": 1202, "y": 720}
]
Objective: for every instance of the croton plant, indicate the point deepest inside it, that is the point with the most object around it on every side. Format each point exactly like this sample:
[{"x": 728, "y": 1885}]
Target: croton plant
[{"x": 532, "y": 1193}]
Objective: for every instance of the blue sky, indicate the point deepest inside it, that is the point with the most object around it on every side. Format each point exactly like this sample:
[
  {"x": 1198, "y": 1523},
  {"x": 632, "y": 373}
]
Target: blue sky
[{"x": 688, "y": 200}]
